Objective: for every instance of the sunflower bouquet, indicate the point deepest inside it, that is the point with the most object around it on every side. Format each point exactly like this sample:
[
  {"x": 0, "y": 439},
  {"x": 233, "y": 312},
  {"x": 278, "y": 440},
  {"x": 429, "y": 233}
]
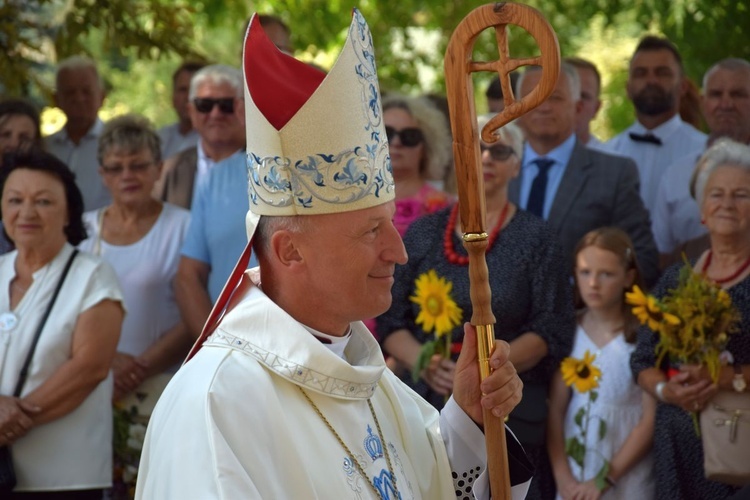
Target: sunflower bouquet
[
  {"x": 439, "y": 313},
  {"x": 693, "y": 321},
  {"x": 583, "y": 376}
]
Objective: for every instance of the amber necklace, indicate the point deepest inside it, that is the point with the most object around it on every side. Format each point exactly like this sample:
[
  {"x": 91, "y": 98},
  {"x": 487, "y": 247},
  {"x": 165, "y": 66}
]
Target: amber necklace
[
  {"x": 448, "y": 248},
  {"x": 359, "y": 467},
  {"x": 729, "y": 278}
]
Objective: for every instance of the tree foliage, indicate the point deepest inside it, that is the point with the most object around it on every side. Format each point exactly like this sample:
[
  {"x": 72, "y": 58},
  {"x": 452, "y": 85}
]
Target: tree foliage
[{"x": 36, "y": 33}]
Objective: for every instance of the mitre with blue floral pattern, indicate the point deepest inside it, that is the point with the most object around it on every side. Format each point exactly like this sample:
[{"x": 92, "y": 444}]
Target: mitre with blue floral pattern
[{"x": 316, "y": 143}]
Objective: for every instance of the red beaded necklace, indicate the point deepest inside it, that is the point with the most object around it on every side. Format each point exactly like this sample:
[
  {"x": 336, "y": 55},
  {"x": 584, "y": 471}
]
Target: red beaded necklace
[
  {"x": 733, "y": 276},
  {"x": 450, "y": 251}
]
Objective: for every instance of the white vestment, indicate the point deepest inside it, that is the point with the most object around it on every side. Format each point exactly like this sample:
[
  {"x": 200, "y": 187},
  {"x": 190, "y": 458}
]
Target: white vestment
[{"x": 234, "y": 424}]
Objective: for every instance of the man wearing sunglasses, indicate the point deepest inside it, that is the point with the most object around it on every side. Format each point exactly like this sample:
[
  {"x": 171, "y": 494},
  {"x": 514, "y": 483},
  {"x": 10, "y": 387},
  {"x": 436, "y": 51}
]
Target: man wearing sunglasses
[{"x": 215, "y": 107}]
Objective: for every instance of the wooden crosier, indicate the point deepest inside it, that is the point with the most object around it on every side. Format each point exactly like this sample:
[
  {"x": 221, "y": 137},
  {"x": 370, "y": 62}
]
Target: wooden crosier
[{"x": 460, "y": 92}]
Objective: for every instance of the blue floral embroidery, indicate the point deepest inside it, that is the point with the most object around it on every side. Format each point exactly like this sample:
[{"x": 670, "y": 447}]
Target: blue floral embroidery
[
  {"x": 351, "y": 174},
  {"x": 374, "y": 102},
  {"x": 384, "y": 484},
  {"x": 275, "y": 181},
  {"x": 311, "y": 169},
  {"x": 305, "y": 202},
  {"x": 349, "y": 466}
]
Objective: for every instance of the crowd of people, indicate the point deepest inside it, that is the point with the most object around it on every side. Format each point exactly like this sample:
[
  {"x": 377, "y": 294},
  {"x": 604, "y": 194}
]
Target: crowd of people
[{"x": 159, "y": 220}]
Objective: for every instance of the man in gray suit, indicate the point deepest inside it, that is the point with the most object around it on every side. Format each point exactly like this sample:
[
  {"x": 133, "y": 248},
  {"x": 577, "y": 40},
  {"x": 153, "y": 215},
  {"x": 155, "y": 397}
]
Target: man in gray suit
[{"x": 574, "y": 188}]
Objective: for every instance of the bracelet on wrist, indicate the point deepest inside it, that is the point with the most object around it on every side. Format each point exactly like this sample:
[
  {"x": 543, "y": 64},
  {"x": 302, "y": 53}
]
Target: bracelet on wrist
[
  {"x": 610, "y": 481},
  {"x": 659, "y": 391}
]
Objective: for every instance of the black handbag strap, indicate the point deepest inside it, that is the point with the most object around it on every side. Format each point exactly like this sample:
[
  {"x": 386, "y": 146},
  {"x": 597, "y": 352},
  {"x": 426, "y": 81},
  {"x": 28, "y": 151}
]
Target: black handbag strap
[{"x": 25, "y": 370}]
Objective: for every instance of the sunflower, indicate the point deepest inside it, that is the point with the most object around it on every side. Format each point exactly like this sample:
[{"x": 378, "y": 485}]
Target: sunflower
[
  {"x": 581, "y": 372},
  {"x": 648, "y": 310},
  {"x": 437, "y": 310}
]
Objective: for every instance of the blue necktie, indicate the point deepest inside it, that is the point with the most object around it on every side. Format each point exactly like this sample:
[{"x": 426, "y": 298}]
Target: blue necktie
[{"x": 538, "y": 191}]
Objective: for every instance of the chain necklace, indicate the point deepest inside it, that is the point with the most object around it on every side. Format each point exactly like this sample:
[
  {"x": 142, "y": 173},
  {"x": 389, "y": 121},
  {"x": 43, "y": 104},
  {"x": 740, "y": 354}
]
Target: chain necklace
[{"x": 360, "y": 469}]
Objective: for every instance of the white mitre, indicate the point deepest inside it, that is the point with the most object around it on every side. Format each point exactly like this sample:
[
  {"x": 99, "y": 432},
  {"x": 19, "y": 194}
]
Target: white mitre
[{"x": 316, "y": 143}]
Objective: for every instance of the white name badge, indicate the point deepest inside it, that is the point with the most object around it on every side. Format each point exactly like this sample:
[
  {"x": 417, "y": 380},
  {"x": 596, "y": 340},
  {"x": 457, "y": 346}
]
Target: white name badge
[{"x": 8, "y": 321}]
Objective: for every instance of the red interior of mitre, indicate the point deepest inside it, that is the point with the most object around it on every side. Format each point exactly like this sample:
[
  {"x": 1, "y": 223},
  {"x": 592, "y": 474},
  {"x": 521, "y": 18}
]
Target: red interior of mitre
[{"x": 278, "y": 83}]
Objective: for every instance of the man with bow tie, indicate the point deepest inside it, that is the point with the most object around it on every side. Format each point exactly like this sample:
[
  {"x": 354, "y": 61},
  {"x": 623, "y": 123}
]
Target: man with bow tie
[{"x": 656, "y": 82}]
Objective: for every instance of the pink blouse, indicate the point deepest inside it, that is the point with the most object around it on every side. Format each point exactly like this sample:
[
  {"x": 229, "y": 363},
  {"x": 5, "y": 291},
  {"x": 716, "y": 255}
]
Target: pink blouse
[{"x": 427, "y": 200}]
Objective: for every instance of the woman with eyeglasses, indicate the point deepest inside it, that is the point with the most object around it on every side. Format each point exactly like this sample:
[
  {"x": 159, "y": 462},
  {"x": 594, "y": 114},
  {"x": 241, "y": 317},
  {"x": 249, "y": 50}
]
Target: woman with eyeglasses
[
  {"x": 531, "y": 296},
  {"x": 141, "y": 238},
  {"x": 420, "y": 145}
]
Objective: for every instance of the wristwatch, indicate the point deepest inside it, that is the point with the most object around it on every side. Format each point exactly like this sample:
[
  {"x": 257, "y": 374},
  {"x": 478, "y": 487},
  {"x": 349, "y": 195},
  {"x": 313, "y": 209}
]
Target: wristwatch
[{"x": 738, "y": 382}]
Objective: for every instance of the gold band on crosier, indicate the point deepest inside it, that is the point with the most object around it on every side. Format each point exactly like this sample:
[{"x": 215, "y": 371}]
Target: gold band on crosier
[{"x": 469, "y": 237}]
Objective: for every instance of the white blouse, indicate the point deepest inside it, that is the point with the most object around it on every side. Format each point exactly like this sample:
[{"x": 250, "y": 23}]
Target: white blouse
[
  {"x": 74, "y": 451},
  {"x": 146, "y": 270}
]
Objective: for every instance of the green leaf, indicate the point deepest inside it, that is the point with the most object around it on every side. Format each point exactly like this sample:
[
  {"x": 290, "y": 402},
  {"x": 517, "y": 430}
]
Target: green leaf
[
  {"x": 423, "y": 360},
  {"x": 601, "y": 477},
  {"x": 578, "y": 419},
  {"x": 575, "y": 450},
  {"x": 594, "y": 395},
  {"x": 602, "y": 428}
]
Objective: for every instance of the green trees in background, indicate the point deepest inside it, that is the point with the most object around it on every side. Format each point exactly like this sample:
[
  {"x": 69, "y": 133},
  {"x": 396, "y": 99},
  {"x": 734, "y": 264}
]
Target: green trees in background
[{"x": 139, "y": 42}]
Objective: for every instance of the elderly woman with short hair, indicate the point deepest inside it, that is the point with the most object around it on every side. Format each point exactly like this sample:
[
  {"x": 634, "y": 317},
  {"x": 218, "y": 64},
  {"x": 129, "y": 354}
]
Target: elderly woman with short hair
[
  {"x": 721, "y": 187},
  {"x": 141, "y": 238}
]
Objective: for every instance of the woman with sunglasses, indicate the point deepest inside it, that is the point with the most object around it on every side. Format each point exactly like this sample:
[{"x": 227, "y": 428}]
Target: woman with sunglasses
[
  {"x": 531, "y": 296},
  {"x": 420, "y": 145},
  {"x": 140, "y": 237}
]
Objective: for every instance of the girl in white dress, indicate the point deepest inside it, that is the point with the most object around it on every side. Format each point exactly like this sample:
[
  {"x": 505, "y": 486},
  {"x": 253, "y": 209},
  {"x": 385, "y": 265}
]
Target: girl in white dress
[{"x": 605, "y": 268}]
